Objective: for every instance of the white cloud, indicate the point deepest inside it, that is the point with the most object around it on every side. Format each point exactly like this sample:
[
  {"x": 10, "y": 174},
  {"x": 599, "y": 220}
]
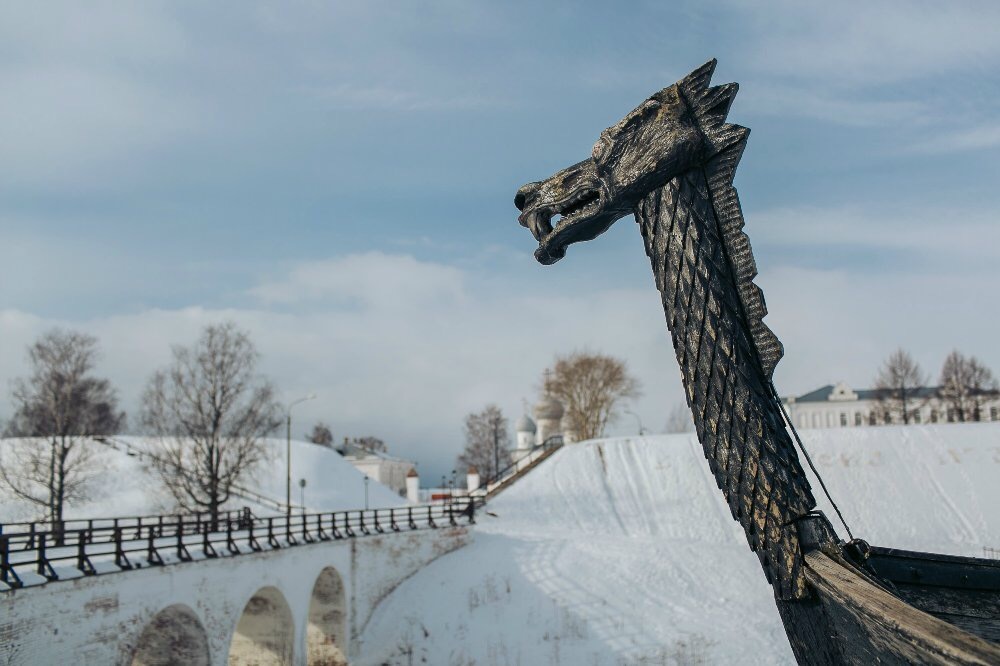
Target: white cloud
[
  {"x": 979, "y": 137},
  {"x": 372, "y": 280},
  {"x": 871, "y": 42},
  {"x": 393, "y": 346},
  {"x": 404, "y": 349},
  {"x": 947, "y": 237}
]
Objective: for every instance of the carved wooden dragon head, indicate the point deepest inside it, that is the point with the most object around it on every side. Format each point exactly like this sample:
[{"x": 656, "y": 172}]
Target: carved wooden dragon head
[{"x": 677, "y": 129}]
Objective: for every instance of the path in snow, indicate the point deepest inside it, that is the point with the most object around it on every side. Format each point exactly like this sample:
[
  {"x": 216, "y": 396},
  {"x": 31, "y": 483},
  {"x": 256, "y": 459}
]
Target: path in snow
[{"x": 623, "y": 552}]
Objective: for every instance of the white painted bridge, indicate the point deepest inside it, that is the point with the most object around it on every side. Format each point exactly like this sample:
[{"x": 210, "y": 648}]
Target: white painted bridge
[{"x": 237, "y": 590}]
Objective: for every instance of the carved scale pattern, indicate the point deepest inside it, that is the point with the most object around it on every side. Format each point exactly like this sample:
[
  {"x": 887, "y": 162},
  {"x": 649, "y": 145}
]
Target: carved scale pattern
[{"x": 727, "y": 386}]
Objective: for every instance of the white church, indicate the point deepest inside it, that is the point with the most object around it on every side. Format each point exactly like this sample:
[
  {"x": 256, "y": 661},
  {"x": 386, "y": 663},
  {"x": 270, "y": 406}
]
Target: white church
[{"x": 546, "y": 429}]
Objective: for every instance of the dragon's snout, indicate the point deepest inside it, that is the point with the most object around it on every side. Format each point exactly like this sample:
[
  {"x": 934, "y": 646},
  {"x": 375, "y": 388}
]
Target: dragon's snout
[{"x": 525, "y": 194}]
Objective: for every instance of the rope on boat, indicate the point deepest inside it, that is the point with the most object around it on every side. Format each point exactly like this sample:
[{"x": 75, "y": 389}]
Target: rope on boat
[{"x": 788, "y": 421}]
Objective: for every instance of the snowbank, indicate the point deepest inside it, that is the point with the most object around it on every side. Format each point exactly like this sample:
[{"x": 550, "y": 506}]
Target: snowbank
[
  {"x": 622, "y": 551},
  {"x": 126, "y": 487}
]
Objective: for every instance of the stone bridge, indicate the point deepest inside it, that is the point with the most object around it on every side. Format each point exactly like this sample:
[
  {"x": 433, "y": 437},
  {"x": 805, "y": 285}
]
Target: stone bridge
[{"x": 272, "y": 591}]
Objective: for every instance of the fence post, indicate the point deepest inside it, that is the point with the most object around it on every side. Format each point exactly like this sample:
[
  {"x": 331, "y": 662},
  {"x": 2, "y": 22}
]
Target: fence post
[
  {"x": 271, "y": 539},
  {"x": 44, "y": 567},
  {"x": 121, "y": 560},
  {"x": 152, "y": 555},
  {"x": 306, "y": 536},
  {"x": 7, "y": 573},
  {"x": 82, "y": 561}
]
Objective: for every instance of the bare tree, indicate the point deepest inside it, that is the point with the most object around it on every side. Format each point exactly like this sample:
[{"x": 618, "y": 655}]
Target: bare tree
[
  {"x": 59, "y": 405},
  {"x": 210, "y": 412},
  {"x": 590, "y": 387},
  {"x": 487, "y": 442},
  {"x": 898, "y": 386},
  {"x": 680, "y": 419},
  {"x": 983, "y": 387},
  {"x": 966, "y": 384},
  {"x": 322, "y": 435}
]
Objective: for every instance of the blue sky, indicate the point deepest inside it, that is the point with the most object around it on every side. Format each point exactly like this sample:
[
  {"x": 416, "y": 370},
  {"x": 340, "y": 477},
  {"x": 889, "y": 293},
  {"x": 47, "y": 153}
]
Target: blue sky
[{"x": 338, "y": 178}]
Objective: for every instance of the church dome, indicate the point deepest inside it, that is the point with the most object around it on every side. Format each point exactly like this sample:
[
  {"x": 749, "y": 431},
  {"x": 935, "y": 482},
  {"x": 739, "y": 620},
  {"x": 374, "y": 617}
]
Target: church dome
[
  {"x": 525, "y": 424},
  {"x": 549, "y": 408}
]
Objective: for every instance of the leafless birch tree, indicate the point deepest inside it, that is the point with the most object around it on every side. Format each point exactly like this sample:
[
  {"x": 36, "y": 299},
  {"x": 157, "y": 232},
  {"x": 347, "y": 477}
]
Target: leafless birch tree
[
  {"x": 590, "y": 387},
  {"x": 966, "y": 385},
  {"x": 210, "y": 412},
  {"x": 897, "y": 386},
  {"x": 57, "y": 408}
]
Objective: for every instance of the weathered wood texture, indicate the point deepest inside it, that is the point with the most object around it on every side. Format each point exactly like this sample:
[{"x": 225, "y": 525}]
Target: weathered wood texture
[
  {"x": 963, "y": 591},
  {"x": 737, "y": 419},
  {"x": 871, "y": 625}
]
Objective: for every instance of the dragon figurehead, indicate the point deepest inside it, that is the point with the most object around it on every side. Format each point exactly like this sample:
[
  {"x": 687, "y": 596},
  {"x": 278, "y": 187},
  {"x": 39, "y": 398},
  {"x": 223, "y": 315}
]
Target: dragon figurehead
[
  {"x": 677, "y": 129},
  {"x": 671, "y": 163}
]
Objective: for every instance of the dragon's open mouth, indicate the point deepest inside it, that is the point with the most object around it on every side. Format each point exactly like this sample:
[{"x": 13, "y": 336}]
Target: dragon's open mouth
[
  {"x": 579, "y": 204},
  {"x": 544, "y": 220}
]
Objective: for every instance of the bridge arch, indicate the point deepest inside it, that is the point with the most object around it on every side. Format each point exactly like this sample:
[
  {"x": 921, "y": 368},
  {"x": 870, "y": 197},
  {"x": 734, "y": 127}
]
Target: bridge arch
[
  {"x": 175, "y": 635},
  {"x": 326, "y": 629},
  {"x": 265, "y": 632}
]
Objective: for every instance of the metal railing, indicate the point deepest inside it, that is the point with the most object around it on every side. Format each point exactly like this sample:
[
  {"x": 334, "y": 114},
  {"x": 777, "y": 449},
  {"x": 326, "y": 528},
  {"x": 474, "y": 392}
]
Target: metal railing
[
  {"x": 512, "y": 471},
  {"x": 111, "y": 545}
]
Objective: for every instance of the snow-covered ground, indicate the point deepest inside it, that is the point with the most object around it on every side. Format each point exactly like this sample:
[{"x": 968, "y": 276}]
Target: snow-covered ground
[
  {"x": 126, "y": 487},
  {"x": 622, "y": 551}
]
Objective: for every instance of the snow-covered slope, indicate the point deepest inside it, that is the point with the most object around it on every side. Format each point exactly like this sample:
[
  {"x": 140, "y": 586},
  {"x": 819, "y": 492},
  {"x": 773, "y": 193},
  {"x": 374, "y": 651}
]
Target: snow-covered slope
[
  {"x": 125, "y": 487},
  {"x": 623, "y": 552}
]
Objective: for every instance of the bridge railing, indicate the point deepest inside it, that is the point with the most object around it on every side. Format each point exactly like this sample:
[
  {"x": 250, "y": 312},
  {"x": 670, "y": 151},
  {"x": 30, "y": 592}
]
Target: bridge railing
[{"x": 129, "y": 543}]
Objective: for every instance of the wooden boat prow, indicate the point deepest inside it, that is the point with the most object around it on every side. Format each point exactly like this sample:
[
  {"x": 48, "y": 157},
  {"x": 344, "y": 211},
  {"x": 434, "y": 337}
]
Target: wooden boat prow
[{"x": 671, "y": 163}]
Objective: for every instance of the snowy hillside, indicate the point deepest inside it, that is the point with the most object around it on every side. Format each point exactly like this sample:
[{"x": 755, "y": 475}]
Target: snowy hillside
[
  {"x": 623, "y": 552},
  {"x": 125, "y": 487}
]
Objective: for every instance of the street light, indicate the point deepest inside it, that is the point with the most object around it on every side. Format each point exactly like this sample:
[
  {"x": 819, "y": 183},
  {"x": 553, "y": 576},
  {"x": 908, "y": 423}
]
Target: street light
[
  {"x": 288, "y": 453},
  {"x": 642, "y": 431}
]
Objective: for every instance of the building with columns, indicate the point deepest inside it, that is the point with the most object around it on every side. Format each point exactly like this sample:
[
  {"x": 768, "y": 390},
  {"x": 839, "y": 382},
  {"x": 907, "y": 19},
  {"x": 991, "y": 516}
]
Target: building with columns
[{"x": 838, "y": 406}]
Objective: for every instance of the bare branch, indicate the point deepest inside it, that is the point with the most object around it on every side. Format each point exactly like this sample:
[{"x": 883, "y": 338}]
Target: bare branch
[
  {"x": 210, "y": 413},
  {"x": 590, "y": 386}
]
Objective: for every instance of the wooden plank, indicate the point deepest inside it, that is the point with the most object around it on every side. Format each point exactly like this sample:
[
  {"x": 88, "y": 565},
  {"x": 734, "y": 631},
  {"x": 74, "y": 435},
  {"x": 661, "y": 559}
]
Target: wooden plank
[{"x": 866, "y": 616}]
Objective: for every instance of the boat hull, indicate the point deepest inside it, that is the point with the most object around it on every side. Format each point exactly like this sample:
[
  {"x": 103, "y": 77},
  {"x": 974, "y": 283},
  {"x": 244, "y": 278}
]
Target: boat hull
[{"x": 895, "y": 611}]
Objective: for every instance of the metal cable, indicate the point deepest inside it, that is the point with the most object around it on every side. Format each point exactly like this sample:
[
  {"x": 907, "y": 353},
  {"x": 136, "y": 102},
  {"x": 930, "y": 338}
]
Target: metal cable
[{"x": 788, "y": 422}]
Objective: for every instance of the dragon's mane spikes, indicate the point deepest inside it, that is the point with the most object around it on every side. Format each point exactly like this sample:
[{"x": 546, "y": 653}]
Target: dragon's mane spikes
[{"x": 726, "y": 143}]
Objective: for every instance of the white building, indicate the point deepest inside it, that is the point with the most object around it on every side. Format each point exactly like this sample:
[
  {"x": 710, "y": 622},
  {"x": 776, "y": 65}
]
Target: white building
[
  {"x": 387, "y": 470},
  {"x": 837, "y": 406}
]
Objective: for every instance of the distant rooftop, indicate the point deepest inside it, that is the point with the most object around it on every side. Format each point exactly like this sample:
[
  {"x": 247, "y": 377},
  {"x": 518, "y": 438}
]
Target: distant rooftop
[{"x": 826, "y": 393}]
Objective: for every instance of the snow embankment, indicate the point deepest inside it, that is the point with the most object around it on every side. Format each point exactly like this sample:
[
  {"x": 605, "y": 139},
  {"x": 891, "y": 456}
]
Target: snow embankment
[
  {"x": 125, "y": 485},
  {"x": 622, "y": 551}
]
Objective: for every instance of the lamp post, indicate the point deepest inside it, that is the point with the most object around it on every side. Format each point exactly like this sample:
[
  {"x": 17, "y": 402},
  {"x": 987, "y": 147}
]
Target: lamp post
[
  {"x": 642, "y": 431},
  {"x": 288, "y": 453}
]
